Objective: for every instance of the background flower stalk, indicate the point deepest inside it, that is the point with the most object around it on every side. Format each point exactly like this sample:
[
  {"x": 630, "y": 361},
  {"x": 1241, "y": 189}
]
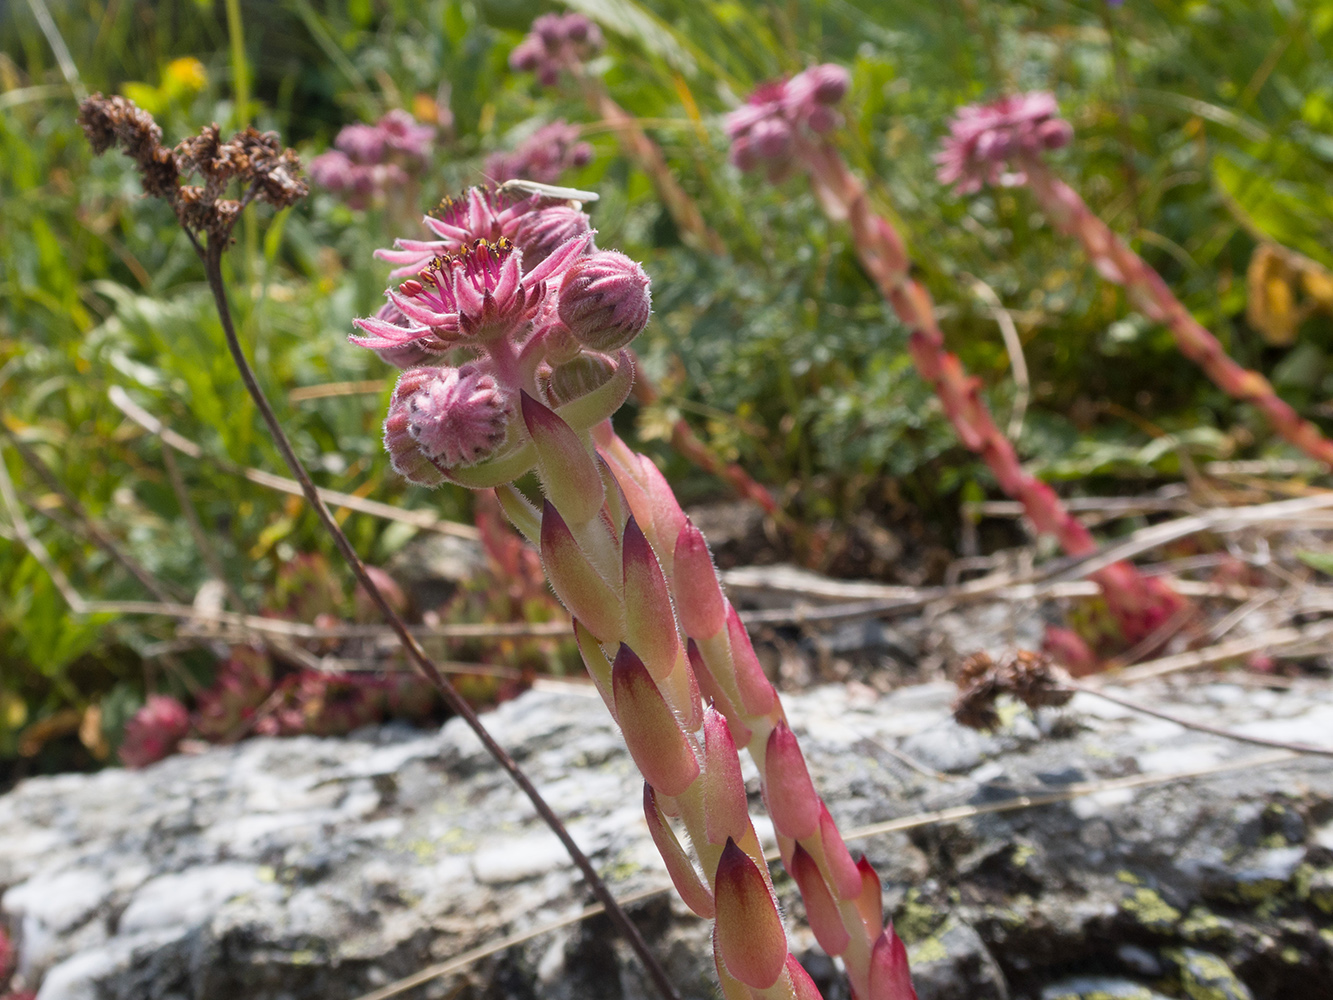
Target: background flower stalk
[
  {"x": 1003, "y": 142},
  {"x": 783, "y": 129}
]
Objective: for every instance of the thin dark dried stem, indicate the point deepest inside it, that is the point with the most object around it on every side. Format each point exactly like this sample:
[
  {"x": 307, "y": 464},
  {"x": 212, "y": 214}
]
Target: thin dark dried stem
[
  {"x": 1202, "y": 727},
  {"x": 211, "y": 255}
]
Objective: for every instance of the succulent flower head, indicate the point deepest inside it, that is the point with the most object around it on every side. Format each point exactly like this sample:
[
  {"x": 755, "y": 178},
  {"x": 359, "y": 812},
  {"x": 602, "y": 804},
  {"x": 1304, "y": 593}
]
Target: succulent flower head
[
  {"x": 604, "y": 300},
  {"x": 769, "y": 129},
  {"x": 557, "y": 42},
  {"x": 987, "y": 143},
  {"x": 460, "y": 420}
]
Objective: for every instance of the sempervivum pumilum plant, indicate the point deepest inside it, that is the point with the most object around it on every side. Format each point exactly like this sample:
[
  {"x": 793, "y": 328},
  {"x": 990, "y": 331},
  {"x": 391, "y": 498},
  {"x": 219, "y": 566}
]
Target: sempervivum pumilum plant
[
  {"x": 1004, "y": 142},
  {"x": 522, "y": 366},
  {"x": 784, "y": 128}
]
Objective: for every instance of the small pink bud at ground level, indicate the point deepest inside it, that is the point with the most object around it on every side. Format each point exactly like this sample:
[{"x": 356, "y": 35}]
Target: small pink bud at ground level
[
  {"x": 697, "y": 896},
  {"x": 651, "y": 732},
  {"x": 604, "y": 300},
  {"x": 802, "y": 986},
  {"x": 821, "y": 909},
  {"x": 712, "y": 692},
  {"x": 578, "y": 585},
  {"x": 792, "y": 801},
  {"x": 757, "y": 693},
  {"x": 699, "y": 600},
  {"x": 1067, "y": 648},
  {"x": 568, "y": 472},
  {"x": 890, "y": 978},
  {"x": 650, "y": 623},
  {"x": 749, "y": 931},
  {"x": 844, "y": 875},
  {"x": 870, "y": 903},
  {"x": 726, "y": 811},
  {"x": 154, "y": 731}
]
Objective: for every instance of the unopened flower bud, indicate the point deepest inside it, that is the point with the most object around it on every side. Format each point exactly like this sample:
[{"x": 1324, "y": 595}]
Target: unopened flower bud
[
  {"x": 527, "y": 55},
  {"x": 1055, "y": 133},
  {"x": 822, "y": 119},
  {"x": 576, "y": 27},
  {"x": 459, "y": 417},
  {"x": 550, "y": 28},
  {"x": 540, "y": 232},
  {"x": 604, "y": 300},
  {"x": 772, "y": 139},
  {"x": 830, "y": 83}
]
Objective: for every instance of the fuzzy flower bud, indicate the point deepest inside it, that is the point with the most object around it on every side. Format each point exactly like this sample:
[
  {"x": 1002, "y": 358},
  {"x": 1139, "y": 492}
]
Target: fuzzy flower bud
[
  {"x": 604, "y": 300},
  {"x": 459, "y": 417}
]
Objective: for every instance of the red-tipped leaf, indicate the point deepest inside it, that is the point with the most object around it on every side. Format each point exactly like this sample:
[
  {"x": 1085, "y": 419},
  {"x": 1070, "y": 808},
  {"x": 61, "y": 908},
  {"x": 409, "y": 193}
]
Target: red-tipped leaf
[
  {"x": 750, "y": 937},
  {"x": 697, "y": 896},
  {"x": 578, "y": 585},
  {"x": 650, "y": 623},
  {"x": 567, "y": 468},
  {"x": 726, "y": 811},
  {"x": 870, "y": 901},
  {"x": 890, "y": 977},
  {"x": 709, "y": 689},
  {"x": 699, "y": 600},
  {"x": 651, "y": 732},
  {"x": 844, "y": 875},
  {"x": 757, "y": 694},
  {"x": 791, "y": 797},
  {"x": 821, "y": 909}
]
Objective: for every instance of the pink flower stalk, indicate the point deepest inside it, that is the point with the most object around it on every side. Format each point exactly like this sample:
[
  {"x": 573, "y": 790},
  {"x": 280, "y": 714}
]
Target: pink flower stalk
[
  {"x": 154, "y": 732},
  {"x": 543, "y": 156},
  {"x": 1114, "y": 260},
  {"x": 1140, "y": 604},
  {"x": 665, "y": 648},
  {"x": 370, "y": 160}
]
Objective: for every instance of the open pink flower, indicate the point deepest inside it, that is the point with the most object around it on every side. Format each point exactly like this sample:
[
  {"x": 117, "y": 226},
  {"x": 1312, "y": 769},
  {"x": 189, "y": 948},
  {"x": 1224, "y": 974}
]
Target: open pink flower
[{"x": 491, "y": 214}]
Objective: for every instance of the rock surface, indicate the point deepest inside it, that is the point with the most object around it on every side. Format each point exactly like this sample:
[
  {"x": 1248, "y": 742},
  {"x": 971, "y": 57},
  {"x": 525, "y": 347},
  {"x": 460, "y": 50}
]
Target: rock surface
[{"x": 324, "y": 868}]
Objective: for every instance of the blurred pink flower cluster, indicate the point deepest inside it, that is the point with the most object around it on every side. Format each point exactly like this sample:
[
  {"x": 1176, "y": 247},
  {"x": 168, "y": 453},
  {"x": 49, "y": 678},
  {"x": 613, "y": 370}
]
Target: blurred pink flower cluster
[
  {"x": 557, "y": 42},
  {"x": 155, "y": 731},
  {"x": 516, "y": 285},
  {"x": 767, "y": 131},
  {"x": 542, "y": 156},
  {"x": 369, "y": 160},
  {"x": 987, "y": 142}
]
